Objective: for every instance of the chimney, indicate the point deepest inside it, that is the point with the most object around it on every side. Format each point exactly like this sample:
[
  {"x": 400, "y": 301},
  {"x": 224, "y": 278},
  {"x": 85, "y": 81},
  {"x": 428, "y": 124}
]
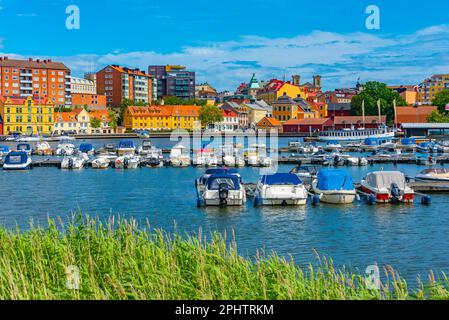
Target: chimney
[
  {"x": 37, "y": 60},
  {"x": 30, "y": 59},
  {"x": 49, "y": 60}
]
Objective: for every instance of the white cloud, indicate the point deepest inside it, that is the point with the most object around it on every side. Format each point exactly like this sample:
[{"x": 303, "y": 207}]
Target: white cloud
[{"x": 340, "y": 58}]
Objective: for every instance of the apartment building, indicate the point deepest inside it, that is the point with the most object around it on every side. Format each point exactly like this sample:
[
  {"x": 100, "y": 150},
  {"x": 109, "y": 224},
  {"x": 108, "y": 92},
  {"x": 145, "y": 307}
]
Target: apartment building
[
  {"x": 118, "y": 83},
  {"x": 173, "y": 81},
  {"x": 430, "y": 87},
  {"x": 39, "y": 78}
]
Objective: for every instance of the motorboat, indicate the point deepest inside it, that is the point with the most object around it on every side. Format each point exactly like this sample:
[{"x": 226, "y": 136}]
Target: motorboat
[
  {"x": 389, "y": 145},
  {"x": 306, "y": 173},
  {"x": 280, "y": 189},
  {"x": 265, "y": 161},
  {"x": 294, "y": 146},
  {"x": 127, "y": 161},
  {"x": 387, "y": 186},
  {"x": 409, "y": 143},
  {"x": 443, "y": 147},
  {"x": 334, "y": 186},
  {"x": 145, "y": 148},
  {"x": 4, "y": 150},
  {"x": 332, "y": 145},
  {"x": 199, "y": 158},
  {"x": 211, "y": 160},
  {"x": 433, "y": 174},
  {"x": 179, "y": 156},
  {"x": 216, "y": 171},
  {"x": 17, "y": 160},
  {"x": 126, "y": 147},
  {"x": 25, "y": 147},
  {"x": 427, "y": 147},
  {"x": 29, "y": 139},
  {"x": 65, "y": 149},
  {"x": 86, "y": 148},
  {"x": 154, "y": 158},
  {"x": 101, "y": 162},
  {"x": 239, "y": 161},
  {"x": 221, "y": 190},
  {"x": 334, "y": 159},
  {"x": 43, "y": 148},
  {"x": 74, "y": 162},
  {"x": 229, "y": 160}
]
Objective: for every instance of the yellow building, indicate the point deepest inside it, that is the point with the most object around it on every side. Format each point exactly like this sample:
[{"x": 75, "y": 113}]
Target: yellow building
[
  {"x": 161, "y": 117},
  {"x": 31, "y": 115},
  {"x": 431, "y": 87},
  {"x": 277, "y": 88},
  {"x": 285, "y": 108}
]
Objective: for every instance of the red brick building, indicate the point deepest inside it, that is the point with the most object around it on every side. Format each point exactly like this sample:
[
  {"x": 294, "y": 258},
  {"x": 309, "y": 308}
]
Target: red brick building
[
  {"x": 92, "y": 101},
  {"x": 118, "y": 83},
  {"x": 307, "y": 125}
]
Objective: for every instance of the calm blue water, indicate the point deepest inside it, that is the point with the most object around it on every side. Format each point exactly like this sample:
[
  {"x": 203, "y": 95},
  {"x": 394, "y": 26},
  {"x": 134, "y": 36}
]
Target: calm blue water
[{"x": 413, "y": 239}]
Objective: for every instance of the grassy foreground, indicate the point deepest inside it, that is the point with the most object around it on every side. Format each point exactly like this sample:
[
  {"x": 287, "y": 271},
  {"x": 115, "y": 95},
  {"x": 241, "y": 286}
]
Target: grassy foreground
[{"x": 117, "y": 260}]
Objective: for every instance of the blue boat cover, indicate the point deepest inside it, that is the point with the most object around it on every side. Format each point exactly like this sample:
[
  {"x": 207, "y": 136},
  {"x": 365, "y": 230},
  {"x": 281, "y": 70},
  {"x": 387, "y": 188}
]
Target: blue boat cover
[
  {"x": 334, "y": 180},
  {"x": 281, "y": 178},
  {"x": 408, "y": 141},
  {"x": 215, "y": 180},
  {"x": 126, "y": 144},
  {"x": 86, "y": 147},
  {"x": 16, "y": 157},
  {"x": 371, "y": 141},
  {"x": 221, "y": 171},
  {"x": 23, "y": 146},
  {"x": 424, "y": 144},
  {"x": 4, "y": 149},
  {"x": 333, "y": 142}
]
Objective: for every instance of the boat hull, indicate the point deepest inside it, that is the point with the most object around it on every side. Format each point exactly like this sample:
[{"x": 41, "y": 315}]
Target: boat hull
[{"x": 335, "y": 196}]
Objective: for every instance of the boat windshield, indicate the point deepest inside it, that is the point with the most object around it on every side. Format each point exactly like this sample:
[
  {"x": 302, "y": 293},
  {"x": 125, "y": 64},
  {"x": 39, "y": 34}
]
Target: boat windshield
[{"x": 213, "y": 183}]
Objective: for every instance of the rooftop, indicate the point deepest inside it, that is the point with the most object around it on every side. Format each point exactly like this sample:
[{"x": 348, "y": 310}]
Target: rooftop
[{"x": 32, "y": 64}]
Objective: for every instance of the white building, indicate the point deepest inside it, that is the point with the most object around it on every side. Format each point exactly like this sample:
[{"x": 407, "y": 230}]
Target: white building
[{"x": 80, "y": 85}]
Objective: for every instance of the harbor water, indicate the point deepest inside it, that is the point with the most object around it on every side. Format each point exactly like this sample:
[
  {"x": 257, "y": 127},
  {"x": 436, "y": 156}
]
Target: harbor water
[{"x": 410, "y": 238}]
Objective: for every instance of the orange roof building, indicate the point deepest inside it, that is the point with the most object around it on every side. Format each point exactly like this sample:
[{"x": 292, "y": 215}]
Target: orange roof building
[{"x": 269, "y": 123}]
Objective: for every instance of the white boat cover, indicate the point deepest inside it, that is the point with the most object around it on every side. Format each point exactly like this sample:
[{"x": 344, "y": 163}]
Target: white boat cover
[{"x": 384, "y": 179}]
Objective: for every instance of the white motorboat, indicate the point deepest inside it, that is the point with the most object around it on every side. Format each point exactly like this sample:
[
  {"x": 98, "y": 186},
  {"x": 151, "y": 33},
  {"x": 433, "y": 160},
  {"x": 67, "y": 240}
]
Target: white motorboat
[
  {"x": 229, "y": 161},
  {"x": 294, "y": 146},
  {"x": 75, "y": 162},
  {"x": 332, "y": 145},
  {"x": 43, "y": 148},
  {"x": 154, "y": 158},
  {"x": 179, "y": 156},
  {"x": 211, "y": 160},
  {"x": 145, "y": 148},
  {"x": 239, "y": 161},
  {"x": 306, "y": 173},
  {"x": 65, "y": 149},
  {"x": 280, "y": 189},
  {"x": 127, "y": 161},
  {"x": 126, "y": 147},
  {"x": 387, "y": 186},
  {"x": 101, "y": 162},
  {"x": 4, "y": 150},
  {"x": 433, "y": 174},
  {"x": 334, "y": 186},
  {"x": 265, "y": 161},
  {"x": 221, "y": 190},
  {"x": 29, "y": 139},
  {"x": 17, "y": 160}
]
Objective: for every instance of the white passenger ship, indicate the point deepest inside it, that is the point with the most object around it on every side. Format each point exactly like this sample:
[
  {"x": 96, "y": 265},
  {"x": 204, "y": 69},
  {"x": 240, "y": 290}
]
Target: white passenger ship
[{"x": 357, "y": 134}]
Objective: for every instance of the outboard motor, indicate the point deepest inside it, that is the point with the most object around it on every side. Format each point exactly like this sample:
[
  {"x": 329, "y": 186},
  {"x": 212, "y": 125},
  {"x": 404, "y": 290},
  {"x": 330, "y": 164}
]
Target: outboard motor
[
  {"x": 154, "y": 162},
  {"x": 223, "y": 192},
  {"x": 70, "y": 163},
  {"x": 125, "y": 163},
  {"x": 396, "y": 193},
  {"x": 336, "y": 160}
]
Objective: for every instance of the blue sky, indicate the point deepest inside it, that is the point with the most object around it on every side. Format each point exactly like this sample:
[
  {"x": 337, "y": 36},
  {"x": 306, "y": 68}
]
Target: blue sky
[{"x": 225, "y": 41}]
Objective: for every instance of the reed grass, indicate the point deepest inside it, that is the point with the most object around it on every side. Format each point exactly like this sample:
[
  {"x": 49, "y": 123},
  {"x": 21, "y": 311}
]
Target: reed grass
[{"x": 120, "y": 260}]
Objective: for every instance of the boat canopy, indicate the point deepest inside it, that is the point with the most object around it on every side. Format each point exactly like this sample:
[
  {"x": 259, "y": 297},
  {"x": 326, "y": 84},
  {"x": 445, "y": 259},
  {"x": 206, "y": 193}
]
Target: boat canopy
[
  {"x": 23, "y": 147},
  {"x": 4, "y": 149},
  {"x": 213, "y": 183},
  {"x": 408, "y": 141},
  {"x": 308, "y": 169},
  {"x": 384, "y": 179},
  {"x": 16, "y": 157},
  {"x": 334, "y": 180},
  {"x": 126, "y": 144},
  {"x": 221, "y": 171},
  {"x": 281, "y": 178},
  {"x": 372, "y": 141},
  {"x": 435, "y": 171},
  {"x": 333, "y": 142},
  {"x": 86, "y": 147}
]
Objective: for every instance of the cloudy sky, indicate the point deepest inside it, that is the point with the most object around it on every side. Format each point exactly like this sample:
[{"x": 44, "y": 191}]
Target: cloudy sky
[{"x": 226, "y": 41}]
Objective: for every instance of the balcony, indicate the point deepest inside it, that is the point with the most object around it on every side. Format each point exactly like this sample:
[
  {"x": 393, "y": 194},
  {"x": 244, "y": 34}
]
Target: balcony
[
  {"x": 26, "y": 74},
  {"x": 26, "y": 88}
]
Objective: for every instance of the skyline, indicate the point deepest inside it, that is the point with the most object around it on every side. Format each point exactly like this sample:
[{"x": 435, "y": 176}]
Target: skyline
[{"x": 294, "y": 39}]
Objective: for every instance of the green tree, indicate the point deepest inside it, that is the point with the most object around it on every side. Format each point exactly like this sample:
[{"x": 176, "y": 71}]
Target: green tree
[
  {"x": 125, "y": 104},
  {"x": 437, "y": 117},
  {"x": 113, "y": 122},
  {"x": 441, "y": 100},
  {"x": 210, "y": 114},
  {"x": 374, "y": 91},
  {"x": 173, "y": 100},
  {"x": 95, "y": 123}
]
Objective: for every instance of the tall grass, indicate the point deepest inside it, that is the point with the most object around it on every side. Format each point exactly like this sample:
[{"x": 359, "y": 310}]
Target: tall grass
[{"x": 119, "y": 260}]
